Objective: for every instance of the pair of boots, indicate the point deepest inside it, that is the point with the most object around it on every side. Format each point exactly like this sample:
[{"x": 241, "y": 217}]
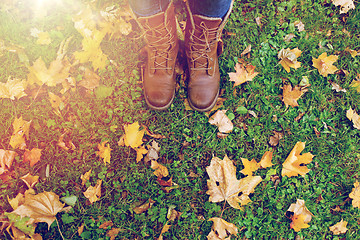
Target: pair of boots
[{"x": 202, "y": 36}]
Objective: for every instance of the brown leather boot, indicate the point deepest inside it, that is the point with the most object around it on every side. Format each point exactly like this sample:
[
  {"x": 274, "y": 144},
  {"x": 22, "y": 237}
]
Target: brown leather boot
[
  {"x": 158, "y": 75},
  {"x": 202, "y": 47}
]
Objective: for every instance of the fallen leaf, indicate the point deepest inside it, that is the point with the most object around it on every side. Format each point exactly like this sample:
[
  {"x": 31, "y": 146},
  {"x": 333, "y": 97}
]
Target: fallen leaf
[
  {"x": 160, "y": 170},
  {"x": 289, "y": 58},
  {"x": 84, "y": 178},
  {"x": 43, "y": 38},
  {"x": 300, "y": 26},
  {"x": 356, "y": 85},
  {"x": 144, "y": 207},
  {"x": 223, "y": 184},
  {"x": 246, "y": 50},
  {"x": 339, "y": 228},
  {"x": 32, "y": 156},
  {"x": 42, "y": 207},
  {"x": 294, "y": 163},
  {"x": 21, "y": 130},
  {"x": 133, "y": 137},
  {"x": 274, "y": 140},
  {"x": 249, "y": 166},
  {"x": 6, "y": 159},
  {"x": 153, "y": 151},
  {"x": 107, "y": 224},
  {"x": 13, "y": 88},
  {"x": 165, "y": 228},
  {"x": 57, "y": 103},
  {"x": 93, "y": 193},
  {"x": 30, "y": 180},
  {"x": 221, "y": 121},
  {"x": 354, "y": 117},
  {"x": 265, "y": 161},
  {"x": 345, "y": 5},
  {"x": 140, "y": 152},
  {"x": 353, "y": 53},
  {"x": 65, "y": 144},
  {"x": 221, "y": 229},
  {"x": 288, "y": 37},
  {"x": 219, "y": 103},
  {"x": 337, "y": 87},
  {"x": 243, "y": 73},
  {"x": 104, "y": 152},
  {"x": 355, "y": 195},
  {"x": 302, "y": 215},
  {"x": 90, "y": 80},
  {"x": 16, "y": 201},
  {"x": 81, "y": 229},
  {"x": 112, "y": 233},
  {"x": 291, "y": 95},
  {"x": 324, "y": 64}
]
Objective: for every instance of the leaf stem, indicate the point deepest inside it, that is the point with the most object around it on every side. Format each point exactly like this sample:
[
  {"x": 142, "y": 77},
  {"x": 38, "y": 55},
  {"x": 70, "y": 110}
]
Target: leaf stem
[
  {"x": 59, "y": 229},
  {"x": 223, "y": 209}
]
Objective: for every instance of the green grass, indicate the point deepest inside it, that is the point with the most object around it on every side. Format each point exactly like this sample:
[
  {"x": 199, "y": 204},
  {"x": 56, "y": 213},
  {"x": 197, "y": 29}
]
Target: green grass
[{"x": 191, "y": 141}]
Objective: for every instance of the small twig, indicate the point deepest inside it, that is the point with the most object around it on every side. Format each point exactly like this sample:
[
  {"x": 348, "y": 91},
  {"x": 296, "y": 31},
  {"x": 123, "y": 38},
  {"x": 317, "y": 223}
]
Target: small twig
[
  {"x": 59, "y": 228},
  {"x": 223, "y": 209}
]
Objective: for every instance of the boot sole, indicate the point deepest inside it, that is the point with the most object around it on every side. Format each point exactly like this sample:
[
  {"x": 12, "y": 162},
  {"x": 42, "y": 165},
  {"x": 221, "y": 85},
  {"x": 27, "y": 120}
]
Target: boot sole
[
  {"x": 205, "y": 109},
  {"x": 159, "y": 108}
]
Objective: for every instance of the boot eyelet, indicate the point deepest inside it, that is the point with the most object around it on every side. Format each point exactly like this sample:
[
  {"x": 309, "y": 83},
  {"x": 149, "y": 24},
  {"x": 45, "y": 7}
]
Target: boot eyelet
[{"x": 211, "y": 59}]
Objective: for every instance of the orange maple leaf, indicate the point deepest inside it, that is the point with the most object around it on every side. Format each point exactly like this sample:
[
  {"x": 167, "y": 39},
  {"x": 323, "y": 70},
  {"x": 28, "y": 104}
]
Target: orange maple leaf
[
  {"x": 291, "y": 95},
  {"x": 32, "y": 156},
  {"x": 249, "y": 166},
  {"x": 324, "y": 64},
  {"x": 302, "y": 215},
  {"x": 293, "y": 163},
  {"x": 244, "y": 73},
  {"x": 104, "y": 152},
  {"x": 93, "y": 193}
]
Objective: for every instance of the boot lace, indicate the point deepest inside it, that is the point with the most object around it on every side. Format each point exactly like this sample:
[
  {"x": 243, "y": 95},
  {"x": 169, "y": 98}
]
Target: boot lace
[
  {"x": 201, "y": 47},
  {"x": 159, "y": 47}
]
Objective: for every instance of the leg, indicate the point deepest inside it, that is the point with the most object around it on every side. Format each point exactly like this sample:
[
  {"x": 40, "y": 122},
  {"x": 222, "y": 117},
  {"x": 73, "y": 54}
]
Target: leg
[
  {"x": 202, "y": 36},
  {"x": 146, "y": 8}
]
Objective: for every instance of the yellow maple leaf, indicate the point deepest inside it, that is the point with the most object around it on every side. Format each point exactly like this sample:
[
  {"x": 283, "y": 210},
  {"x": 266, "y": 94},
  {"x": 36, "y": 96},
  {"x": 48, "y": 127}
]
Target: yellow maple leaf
[
  {"x": 223, "y": 184},
  {"x": 289, "y": 58},
  {"x": 16, "y": 201},
  {"x": 221, "y": 229},
  {"x": 265, "y": 161},
  {"x": 160, "y": 170},
  {"x": 140, "y": 152},
  {"x": 57, "y": 72},
  {"x": 93, "y": 193},
  {"x": 84, "y": 178},
  {"x": 249, "y": 166},
  {"x": 21, "y": 130},
  {"x": 355, "y": 195},
  {"x": 353, "y": 53},
  {"x": 356, "y": 85},
  {"x": 292, "y": 165},
  {"x": 324, "y": 64},
  {"x": 104, "y": 152},
  {"x": 32, "y": 156},
  {"x": 43, "y": 38},
  {"x": 84, "y": 22},
  {"x": 339, "y": 228},
  {"x": 133, "y": 137},
  {"x": 92, "y": 51},
  {"x": 243, "y": 73},
  {"x": 42, "y": 207},
  {"x": 13, "y": 88},
  {"x": 302, "y": 215},
  {"x": 291, "y": 95}
]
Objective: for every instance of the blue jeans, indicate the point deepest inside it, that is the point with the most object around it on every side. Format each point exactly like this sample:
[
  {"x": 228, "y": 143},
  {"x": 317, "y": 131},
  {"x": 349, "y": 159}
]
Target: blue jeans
[{"x": 208, "y": 8}]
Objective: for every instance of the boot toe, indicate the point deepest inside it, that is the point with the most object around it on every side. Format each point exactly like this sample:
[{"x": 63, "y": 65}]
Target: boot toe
[
  {"x": 203, "y": 99},
  {"x": 159, "y": 99}
]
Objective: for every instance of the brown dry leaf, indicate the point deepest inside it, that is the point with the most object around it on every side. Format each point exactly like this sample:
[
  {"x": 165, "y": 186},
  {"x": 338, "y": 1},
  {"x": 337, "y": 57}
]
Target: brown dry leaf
[
  {"x": 16, "y": 201},
  {"x": 353, "y": 53},
  {"x": 32, "y": 156},
  {"x": 21, "y": 130},
  {"x": 112, "y": 233},
  {"x": 355, "y": 195},
  {"x": 165, "y": 228},
  {"x": 93, "y": 193},
  {"x": 160, "y": 170},
  {"x": 221, "y": 229},
  {"x": 151, "y": 134},
  {"x": 84, "y": 178},
  {"x": 133, "y": 137},
  {"x": 140, "y": 152},
  {"x": 288, "y": 37},
  {"x": 144, "y": 207},
  {"x": 81, "y": 229},
  {"x": 356, "y": 85},
  {"x": 337, "y": 87},
  {"x": 354, "y": 117},
  {"x": 104, "y": 152},
  {"x": 222, "y": 121},
  {"x": 291, "y": 95},
  {"x": 223, "y": 184},
  {"x": 249, "y": 166},
  {"x": 265, "y": 161},
  {"x": 13, "y": 88},
  {"x": 57, "y": 103},
  {"x": 42, "y": 207},
  {"x": 339, "y": 228},
  {"x": 345, "y": 5},
  {"x": 302, "y": 215},
  {"x": 289, "y": 58},
  {"x": 6, "y": 159},
  {"x": 66, "y": 145},
  {"x": 90, "y": 80},
  {"x": 274, "y": 140},
  {"x": 324, "y": 64},
  {"x": 30, "y": 180},
  {"x": 244, "y": 72},
  {"x": 153, "y": 151},
  {"x": 293, "y": 163},
  {"x": 300, "y": 26},
  {"x": 107, "y": 224}
]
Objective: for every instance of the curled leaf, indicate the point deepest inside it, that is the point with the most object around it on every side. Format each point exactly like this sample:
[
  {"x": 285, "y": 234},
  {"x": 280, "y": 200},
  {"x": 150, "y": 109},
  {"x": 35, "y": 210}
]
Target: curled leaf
[
  {"x": 339, "y": 228},
  {"x": 221, "y": 121},
  {"x": 289, "y": 58}
]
